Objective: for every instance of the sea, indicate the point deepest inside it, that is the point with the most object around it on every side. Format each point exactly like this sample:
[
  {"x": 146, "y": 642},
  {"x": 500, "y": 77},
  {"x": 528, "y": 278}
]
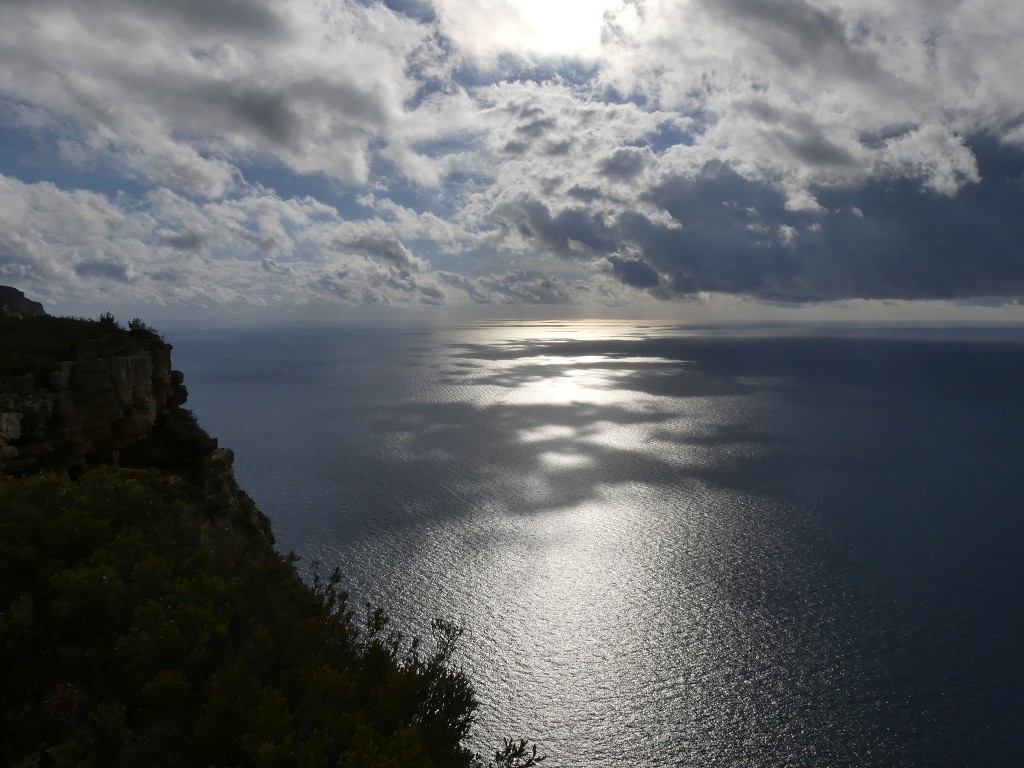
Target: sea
[{"x": 668, "y": 545}]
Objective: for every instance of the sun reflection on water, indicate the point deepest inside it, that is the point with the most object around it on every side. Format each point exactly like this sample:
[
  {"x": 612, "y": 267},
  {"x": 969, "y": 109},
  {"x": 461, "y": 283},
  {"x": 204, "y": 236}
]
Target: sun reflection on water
[{"x": 645, "y": 533}]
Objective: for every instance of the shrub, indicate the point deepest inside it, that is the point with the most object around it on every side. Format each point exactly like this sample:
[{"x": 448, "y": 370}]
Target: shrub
[
  {"x": 38, "y": 344},
  {"x": 136, "y": 327},
  {"x": 132, "y": 636}
]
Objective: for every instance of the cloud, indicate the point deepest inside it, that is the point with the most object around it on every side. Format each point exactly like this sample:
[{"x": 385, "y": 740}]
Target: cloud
[
  {"x": 257, "y": 249},
  {"x": 942, "y": 160},
  {"x": 799, "y": 93},
  {"x": 182, "y": 93},
  {"x": 500, "y": 151},
  {"x": 110, "y": 270},
  {"x": 486, "y": 30},
  {"x": 624, "y": 164},
  {"x": 383, "y": 248},
  {"x": 186, "y": 241},
  {"x": 371, "y": 283},
  {"x": 888, "y": 239},
  {"x": 518, "y": 287},
  {"x": 633, "y": 270}
]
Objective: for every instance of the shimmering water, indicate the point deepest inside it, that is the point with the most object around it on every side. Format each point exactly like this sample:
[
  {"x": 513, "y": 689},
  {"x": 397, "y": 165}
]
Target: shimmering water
[{"x": 669, "y": 546}]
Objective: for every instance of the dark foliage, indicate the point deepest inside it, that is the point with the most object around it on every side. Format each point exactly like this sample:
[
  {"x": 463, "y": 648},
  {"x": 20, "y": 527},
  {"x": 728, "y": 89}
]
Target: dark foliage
[
  {"x": 131, "y": 638},
  {"x": 141, "y": 627},
  {"x": 35, "y": 345},
  {"x": 139, "y": 329}
]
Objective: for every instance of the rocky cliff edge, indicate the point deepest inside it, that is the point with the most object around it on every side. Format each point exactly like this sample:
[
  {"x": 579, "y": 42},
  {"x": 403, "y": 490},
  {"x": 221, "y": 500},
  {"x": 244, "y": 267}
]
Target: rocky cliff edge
[{"x": 79, "y": 393}]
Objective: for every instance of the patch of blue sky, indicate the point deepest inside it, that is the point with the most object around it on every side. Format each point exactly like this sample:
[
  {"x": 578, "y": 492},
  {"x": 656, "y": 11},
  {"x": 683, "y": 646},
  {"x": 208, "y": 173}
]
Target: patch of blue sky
[
  {"x": 428, "y": 87},
  {"x": 419, "y": 199},
  {"x": 288, "y": 184},
  {"x": 668, "y": 134},
  {"x": 472, "y": 262},
  {"x": 33, "y": 155},
  {"x": 612, "y": 95},
  {"x": 429, "y": 84},
  {"x": 420, "y": 10},
  {"x": 388, "y": 182}
]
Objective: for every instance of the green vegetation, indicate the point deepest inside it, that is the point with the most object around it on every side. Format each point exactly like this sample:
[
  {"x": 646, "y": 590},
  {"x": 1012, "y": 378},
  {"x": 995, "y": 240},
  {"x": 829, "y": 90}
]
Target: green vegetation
[
  {"x": 146, "y": 620},
  {"x": 138, "y": 631},
  {"x": 37, "y": 344}
]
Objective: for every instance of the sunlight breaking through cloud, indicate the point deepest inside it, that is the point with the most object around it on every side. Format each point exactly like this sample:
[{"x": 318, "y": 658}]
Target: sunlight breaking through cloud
[{"x": 580, "y": 154}]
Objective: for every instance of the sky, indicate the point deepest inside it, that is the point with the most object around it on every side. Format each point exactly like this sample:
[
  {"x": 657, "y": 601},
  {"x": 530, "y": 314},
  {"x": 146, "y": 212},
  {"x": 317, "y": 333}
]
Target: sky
[{"x": 587, "y": 156}]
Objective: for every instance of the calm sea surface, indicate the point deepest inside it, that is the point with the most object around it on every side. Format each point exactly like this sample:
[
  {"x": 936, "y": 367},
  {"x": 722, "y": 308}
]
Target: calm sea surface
[{"x": 669, "y": 546}]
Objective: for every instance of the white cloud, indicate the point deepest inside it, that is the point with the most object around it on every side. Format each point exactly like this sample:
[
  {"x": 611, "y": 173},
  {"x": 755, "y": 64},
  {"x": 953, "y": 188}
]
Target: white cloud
[
  {"x": 933, "y": 154},
  {"x": 256, "y": 249},
  {"x": 796, "y": 92},
  {"x": 803, "y": 92},
  {"x": 179, "y": 94},
  {"x": 499, "y": 135}
]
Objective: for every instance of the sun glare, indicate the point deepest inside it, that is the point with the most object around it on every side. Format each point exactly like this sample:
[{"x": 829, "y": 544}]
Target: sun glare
[
  {"x": 558, "y": 27},
  {"x": 538, "y": 27}
]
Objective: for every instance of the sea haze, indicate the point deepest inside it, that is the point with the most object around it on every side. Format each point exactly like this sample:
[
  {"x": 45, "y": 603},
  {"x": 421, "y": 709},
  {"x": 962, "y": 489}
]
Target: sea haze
[{"x": 669, "y": 546}]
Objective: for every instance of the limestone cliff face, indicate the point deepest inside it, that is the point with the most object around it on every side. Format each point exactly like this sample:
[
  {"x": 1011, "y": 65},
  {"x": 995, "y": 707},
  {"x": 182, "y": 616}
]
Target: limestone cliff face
[
  {"x": 14, "y": 303},
  {"x": 91, "y": 406},
  {"x": 123, "y": 407},
  {"x": 98, "y": 394}
]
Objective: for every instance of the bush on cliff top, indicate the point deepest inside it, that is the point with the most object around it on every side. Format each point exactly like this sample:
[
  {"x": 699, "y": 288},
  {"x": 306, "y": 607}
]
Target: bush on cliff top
[
  {"x": 130, "y": 639},
  {"x": 37, "y": 344}
]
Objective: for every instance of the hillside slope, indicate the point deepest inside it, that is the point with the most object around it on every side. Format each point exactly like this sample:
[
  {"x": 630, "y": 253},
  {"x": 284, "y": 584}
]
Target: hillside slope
[{"x": 146, "y": 618}]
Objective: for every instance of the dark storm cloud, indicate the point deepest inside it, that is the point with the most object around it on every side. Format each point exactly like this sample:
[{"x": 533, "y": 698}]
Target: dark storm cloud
[
  {"x": 533, "y": 219},
  {"x": 888, "y": 239},
  {"x": 799, "y": 135},
  {"x": 814, "y": 148},
  {"x": 586, "y": 194},
  {"x": 274, "y": 267},
  {"x": 798, "y": 34},
  {"x": 244, "y": 17},
  {"x": 558, "y": 148},
  {"x": 269, "y": 112},
  {"x": 625, "y": 164},
  {"x": 526, "y": 111},
  {"x": 169, "y": 275},
  {"x": 234, "y": 16},
  {"x": 103, "y": 269},
  {"x": 385, "y": 248},
  {"x": 8, "y": 258},
  {"x": 914, "y": 245},
  {"x": 632, "y": 270},
  {"x": 907, "y": 244},
  {"x": 722, "y": 244},
  {"x": 431, "y": 294},
  {"x": 276, "y": 112},
  {"x": 533, "y": 127},
  {"x": 188, "y": 241},
  {"x": 361, "y": 102},
  {"x": 536, "y": 128}
]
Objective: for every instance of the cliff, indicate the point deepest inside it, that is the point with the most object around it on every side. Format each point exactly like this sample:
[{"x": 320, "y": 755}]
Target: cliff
[
  {"x": 14, "y": 303},
  {"x": 145, "y": 617},
  {"x": 86, "y": 393},
  {"x": 88, "y": 407}
]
